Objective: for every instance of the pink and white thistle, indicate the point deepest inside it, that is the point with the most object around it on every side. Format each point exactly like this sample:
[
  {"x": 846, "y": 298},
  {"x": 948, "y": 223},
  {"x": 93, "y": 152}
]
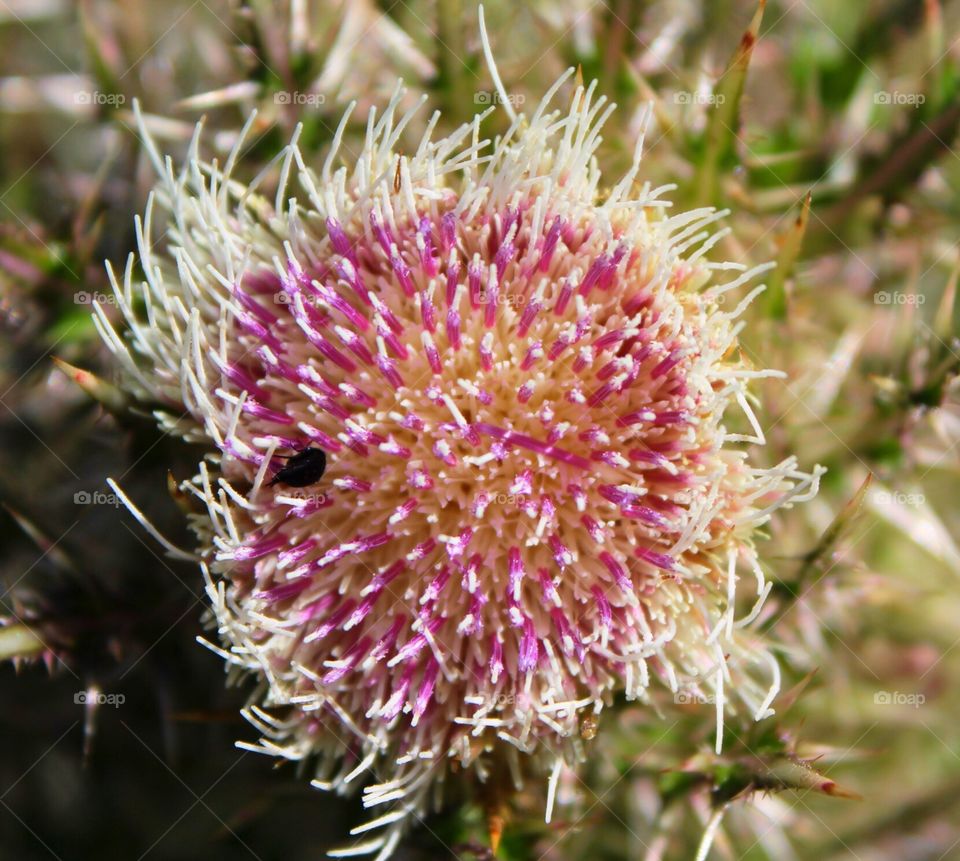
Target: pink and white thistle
[{"x": 531, "y": 501}]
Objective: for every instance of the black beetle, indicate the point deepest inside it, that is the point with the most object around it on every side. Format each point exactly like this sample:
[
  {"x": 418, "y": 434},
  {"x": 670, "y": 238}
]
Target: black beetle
[{"x": 302, "y": 469}]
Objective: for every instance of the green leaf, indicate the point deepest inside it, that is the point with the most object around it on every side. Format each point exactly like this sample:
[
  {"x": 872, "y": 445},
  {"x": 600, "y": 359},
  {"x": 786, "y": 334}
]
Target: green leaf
[{"x": 724, "y": 116}]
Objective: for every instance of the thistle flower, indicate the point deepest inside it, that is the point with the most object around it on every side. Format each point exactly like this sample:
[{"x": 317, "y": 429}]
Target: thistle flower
[{"x": 531, "y": 500}]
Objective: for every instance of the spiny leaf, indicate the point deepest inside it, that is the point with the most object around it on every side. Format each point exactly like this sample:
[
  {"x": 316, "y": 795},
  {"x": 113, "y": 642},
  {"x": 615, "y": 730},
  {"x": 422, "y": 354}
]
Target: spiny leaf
[
  {"x": 104, "y": 52},
  {"x": 724, "y": 116},
  {"x": 943, "y": 321},
  {"x": 790, "y": 773},
  {"x": 101, "y": 391},
  {"x": 775, "y": 298},
  {"x": 840, "y": 526},
  {"x": 734, "y": 777},
  {"x": 678, "y": 784},
  {"x": 496, "y": 793},
  {"x": 495, "y": 823},
  {"x": 788, "y": 699},
  {"x": 49, "y": 548},
  {"x": 451, "y": 79}
]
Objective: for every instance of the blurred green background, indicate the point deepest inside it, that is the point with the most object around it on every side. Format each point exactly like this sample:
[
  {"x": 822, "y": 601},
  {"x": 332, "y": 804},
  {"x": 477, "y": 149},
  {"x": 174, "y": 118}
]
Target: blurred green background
[{"x": 854, "y": 104}]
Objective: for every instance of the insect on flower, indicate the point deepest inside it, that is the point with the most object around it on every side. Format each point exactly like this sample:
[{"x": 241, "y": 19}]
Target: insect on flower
[{"x": 302, "y": 469}]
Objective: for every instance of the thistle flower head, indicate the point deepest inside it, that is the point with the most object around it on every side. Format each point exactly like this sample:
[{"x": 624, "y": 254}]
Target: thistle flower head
[{"x": 531, "y": 500}]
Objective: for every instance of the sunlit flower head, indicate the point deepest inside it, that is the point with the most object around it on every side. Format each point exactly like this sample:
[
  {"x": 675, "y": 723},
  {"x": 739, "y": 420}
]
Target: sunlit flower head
[{"x": 531, "y": 501}]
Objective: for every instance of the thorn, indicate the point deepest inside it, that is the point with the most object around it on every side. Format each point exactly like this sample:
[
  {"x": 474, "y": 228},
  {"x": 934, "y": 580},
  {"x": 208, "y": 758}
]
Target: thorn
[
  {"x": 495, "y": 824},
  {"x": 775, "y": 299},
  {"x": 177, "y": 495},
  {"x": 943, "y": 321},
  {"x": 50, "y": 549},
  {"x": 788, "y": 772},
  {"x": 496, "y": 792},
  {"x": 836, "y": 530},
  {"x": 724, "y": 120},
  {"x": 108, "y": 395},
  {"x": 830, "y": 787},
  {"x": 786, "y": 700},
  {"x": 933, "y": 26}
]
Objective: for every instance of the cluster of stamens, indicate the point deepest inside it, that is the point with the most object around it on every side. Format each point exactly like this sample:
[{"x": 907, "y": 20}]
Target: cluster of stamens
[{"x": 530, "y": 501}]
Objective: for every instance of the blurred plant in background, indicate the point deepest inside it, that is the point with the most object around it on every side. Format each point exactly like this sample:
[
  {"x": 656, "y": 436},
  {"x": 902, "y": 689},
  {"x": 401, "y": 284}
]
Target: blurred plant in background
[{"x": 828, "y": 129}]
